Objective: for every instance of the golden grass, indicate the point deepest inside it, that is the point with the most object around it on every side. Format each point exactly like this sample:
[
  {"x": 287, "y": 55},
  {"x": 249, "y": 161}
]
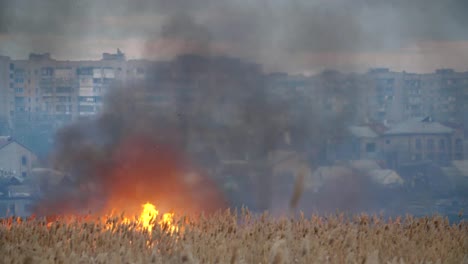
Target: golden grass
[{"x": 230, "y": 238}]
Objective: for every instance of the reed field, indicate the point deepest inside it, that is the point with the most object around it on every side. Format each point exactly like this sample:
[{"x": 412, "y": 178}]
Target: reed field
[{"x": 230, "y": 237}]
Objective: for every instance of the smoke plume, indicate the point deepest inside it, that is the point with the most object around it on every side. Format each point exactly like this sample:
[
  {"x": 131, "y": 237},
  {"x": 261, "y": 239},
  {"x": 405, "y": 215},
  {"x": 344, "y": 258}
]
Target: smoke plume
[{"x": 165, "y": 138}]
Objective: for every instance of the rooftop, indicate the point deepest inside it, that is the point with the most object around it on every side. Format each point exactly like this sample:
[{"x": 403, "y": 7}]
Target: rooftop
[
  {"x": 362, "y": 132},
  {"x": 20, "y": 191},
  {"x": 419, "y": 125},
  {"x": 386, "y": 177},
  {"x": 5, "y": 141}
]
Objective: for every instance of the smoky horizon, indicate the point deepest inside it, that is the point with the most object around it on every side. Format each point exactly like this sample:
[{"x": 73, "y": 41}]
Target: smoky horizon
[{"x": 284, "y": 106}]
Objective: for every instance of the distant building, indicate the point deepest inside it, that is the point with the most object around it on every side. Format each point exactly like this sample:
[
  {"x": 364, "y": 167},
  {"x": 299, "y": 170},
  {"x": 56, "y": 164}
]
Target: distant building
[
  {"x": 399, "y": 96},
  {"x": 388, "y": 91},
  {"x": 16, "y": 200},
  {"x": 418, "y": 140},
  {"x": 5, "y": 94},
  {"x": 52, "y": 93},
  {"x": 365, "y": 143},
  {"x": 16, "y": 158}
]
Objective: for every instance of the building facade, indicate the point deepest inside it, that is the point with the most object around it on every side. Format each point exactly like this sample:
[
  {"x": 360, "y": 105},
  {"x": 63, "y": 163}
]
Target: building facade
[
  {"x": 418, "y": 141},
  {"x": 16, "y": 158},
  {"x": 5, "y": 94},
  {"x": 399, "y": 96}
]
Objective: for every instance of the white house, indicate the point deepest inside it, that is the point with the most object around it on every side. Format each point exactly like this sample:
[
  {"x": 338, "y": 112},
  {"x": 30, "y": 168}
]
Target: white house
[{"x": 15, "y": 157}]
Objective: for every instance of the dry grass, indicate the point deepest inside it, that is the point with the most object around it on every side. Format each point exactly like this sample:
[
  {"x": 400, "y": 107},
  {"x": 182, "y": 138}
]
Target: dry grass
[{"x": 230, "y": 238}]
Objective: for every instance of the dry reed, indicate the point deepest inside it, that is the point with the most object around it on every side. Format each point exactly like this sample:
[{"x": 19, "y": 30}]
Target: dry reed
[{"x": 228, "y": 237}]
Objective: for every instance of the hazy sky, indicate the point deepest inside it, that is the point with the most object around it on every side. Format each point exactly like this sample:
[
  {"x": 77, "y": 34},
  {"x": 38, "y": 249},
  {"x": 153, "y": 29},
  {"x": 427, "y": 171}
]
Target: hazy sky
[{"x": 286, "y": 35}]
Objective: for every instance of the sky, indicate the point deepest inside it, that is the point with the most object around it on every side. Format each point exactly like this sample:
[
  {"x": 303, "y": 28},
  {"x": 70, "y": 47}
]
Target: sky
[{"x": 297, "y": 36}]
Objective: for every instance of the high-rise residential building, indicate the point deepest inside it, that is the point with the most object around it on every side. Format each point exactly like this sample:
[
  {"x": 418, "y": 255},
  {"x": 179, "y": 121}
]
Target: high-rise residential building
[
  {"x": 387, "y": 103},
  {"x": 42, "y": 90},
  {"x": 5, "y": 94},
  {"x": 57, "y": 92},
  {"x": 400, "y": 96}
]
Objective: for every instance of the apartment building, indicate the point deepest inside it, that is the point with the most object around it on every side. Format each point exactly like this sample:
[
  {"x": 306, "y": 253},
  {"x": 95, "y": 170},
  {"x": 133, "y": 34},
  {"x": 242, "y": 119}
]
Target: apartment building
[
  {"x": 387, "y": 105},
  {"x": 56, "y": 92},
  {"x": 399, "y": 96},
  {"x": 5, "y": 94}
]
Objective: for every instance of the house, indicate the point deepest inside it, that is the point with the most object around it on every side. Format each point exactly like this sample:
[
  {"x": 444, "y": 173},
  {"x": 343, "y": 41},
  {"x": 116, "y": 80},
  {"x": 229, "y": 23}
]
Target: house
[
  {"x": 365, "y": 142},
  {"x": 16, "y": 200},
  {"x": 360, "y": 142},
  {"x": 15, "y": 157},
  {"x": 418, "y": 141}
]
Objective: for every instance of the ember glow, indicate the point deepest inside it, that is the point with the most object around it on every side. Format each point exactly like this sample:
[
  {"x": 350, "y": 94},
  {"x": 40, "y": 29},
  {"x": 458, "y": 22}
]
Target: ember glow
[{"x": 149, "y": 217}]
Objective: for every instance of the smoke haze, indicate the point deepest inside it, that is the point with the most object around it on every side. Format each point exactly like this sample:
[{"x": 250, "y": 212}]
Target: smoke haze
[
  {"x": 294, "y": 36},
  {"x": 217, "y": 55}
]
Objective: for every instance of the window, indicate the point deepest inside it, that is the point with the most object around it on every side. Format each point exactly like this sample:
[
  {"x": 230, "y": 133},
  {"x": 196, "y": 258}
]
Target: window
[
  {"x": 370, "y": 147},
  {"x": 85, "y": 71},
  {"x": 64, "y": 99},
  {"x": 417, "y": 157},
  {"x": 86, "y": 99},
  {"x": 64, "y": 90},
  {"x": 47, "y": 71},
  {"x": 441, "y": 145},
  {"x": 19, "y": 100},
  {"x": 24, "y": 160},
  {"x": 430, "y": 144},
  {"x": 61, "y": 108},
  {"x": 47, "y": 89},
  {"x": 418, "y": 144},
  {"x": 459, "y": 145},
  {"x": 442, "y": 157},
  {"x": 86, "y": 108},
  {"x": 430, "y": 156}
]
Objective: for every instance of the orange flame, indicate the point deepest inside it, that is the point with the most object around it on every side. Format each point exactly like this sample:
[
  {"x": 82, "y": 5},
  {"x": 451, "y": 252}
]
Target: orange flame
[{"x": 149, "y": 215}]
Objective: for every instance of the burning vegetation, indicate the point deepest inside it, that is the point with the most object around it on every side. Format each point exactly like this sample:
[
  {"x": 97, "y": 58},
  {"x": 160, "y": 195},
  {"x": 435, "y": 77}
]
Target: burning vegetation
[{"x": 140, "y": 180}]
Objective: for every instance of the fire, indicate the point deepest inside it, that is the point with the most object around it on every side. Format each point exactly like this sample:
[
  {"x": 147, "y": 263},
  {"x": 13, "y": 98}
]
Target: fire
[
  {"x": 149, "y": 215},
  {"x": 139, "y": 171}
]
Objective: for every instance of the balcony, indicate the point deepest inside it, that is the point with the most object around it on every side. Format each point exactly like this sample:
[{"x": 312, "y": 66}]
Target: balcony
[
  {"x": 46, "y": 82},
  {"x": 65, "y": 82}
]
